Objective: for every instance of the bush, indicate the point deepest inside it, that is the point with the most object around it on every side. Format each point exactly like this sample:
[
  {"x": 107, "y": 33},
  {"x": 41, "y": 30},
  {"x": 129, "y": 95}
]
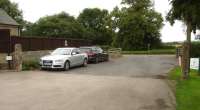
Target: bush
[
  {"x": 30, "y": 65},
  {"x": 195, "y": 49},
  {"x": 152, "y": 52},
  {"x": 105, "y": 47}
]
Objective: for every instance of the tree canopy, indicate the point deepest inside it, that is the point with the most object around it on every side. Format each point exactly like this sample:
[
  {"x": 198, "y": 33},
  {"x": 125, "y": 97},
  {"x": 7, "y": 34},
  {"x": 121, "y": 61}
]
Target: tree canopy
[
  {"x": 188, "y": 12},
  {"x": 94, "y": 21},
  {"x": 58, "y": 25},
  {"x": 135, "y": 26},
  {"x": 139, "y": 25},
  {"x": 12, "y": 10}
]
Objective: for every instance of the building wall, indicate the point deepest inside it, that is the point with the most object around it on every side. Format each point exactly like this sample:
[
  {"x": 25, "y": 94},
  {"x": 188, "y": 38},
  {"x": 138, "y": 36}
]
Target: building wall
[{"x": 14, "y": 30}]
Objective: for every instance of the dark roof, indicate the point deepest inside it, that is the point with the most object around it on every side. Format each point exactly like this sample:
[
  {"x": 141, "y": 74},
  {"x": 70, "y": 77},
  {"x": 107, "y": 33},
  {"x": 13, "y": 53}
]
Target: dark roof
[{"x": 6, "y": 19}]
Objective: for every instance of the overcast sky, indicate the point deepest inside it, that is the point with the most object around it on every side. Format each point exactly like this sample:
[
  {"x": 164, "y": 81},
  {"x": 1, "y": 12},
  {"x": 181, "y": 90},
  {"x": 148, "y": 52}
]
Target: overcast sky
[{"x": 34, "y": 9}]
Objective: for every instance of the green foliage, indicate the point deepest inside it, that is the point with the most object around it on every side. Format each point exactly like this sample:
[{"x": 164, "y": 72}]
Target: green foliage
[
  {"x": 105, "y": 47},
  {"x": 186, "y": 11},
  {"x": 152, "y": 52},
  {"x": 12, "y": 10},
  {"x": 139, "y": 25},
  {"x": 30, "y": 65},
  {"x": 94, "y": 21},
  {"x": 195, "y": 49},
  {"x": 59, "y": 25},
  {"x": 187, "y": 91}
]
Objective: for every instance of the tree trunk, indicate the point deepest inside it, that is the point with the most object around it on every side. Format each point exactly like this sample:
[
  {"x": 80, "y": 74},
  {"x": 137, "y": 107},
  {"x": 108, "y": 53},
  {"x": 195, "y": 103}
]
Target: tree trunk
[{"x": 186, "y": 56}]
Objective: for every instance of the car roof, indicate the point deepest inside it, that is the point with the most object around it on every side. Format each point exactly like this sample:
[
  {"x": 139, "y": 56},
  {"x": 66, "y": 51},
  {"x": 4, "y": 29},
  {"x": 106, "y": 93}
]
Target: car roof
[
  {"x": 71, "y": 48},
  {"x": 89, "y": 47}
]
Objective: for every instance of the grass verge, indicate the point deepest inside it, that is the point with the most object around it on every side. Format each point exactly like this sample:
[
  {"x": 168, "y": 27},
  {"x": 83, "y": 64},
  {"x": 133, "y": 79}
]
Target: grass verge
[
  {"x": 187, "y": 91},
  {"x": 152, "y": 52}
]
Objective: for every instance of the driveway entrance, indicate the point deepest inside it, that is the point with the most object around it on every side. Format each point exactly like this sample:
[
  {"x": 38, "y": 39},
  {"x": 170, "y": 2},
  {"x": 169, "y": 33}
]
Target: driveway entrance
[{"x": 128, "y": 83}]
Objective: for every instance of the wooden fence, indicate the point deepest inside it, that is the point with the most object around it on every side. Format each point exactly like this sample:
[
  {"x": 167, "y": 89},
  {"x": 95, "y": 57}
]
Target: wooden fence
[
  {"x": 7, "y": 42},
  {"x": 34, "y": 44}
]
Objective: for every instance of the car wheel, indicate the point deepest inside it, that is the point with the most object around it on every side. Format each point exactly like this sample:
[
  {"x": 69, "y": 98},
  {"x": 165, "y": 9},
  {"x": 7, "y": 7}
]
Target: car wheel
[
  {"x": 107, "y": 59},
  {"x": 42, "y": 69},
  {"x": 67, "y": 66},
  {"x": 85, "y": 62},
  {"x": 96, "y": 60}
]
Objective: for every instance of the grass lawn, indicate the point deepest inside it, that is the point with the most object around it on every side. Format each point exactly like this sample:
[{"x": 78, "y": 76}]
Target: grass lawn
[
  {"x": 187, "y": 91},
  {"x": 156, "y": 51}
]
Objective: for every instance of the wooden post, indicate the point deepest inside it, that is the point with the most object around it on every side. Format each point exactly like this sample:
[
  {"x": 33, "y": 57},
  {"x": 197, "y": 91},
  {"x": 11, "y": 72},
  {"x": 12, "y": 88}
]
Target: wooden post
[
  {"x": 185, "y": 61},
  {"x": 17, "y": 58}
]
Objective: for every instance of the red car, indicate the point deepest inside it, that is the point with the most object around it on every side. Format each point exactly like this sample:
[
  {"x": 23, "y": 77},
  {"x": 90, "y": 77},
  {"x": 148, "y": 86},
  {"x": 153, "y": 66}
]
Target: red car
[{"x": 95, "y": 54}]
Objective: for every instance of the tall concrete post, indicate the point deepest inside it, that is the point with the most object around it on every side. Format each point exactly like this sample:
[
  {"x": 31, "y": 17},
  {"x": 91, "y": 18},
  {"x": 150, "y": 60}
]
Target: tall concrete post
[{"x": 17, "y": 58}]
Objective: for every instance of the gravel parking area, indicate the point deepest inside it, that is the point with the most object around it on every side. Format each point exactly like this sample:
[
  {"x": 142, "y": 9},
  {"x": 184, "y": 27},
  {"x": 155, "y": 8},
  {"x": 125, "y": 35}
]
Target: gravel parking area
[
  {"x": 131, "y": 66},
  {"x": 127, "y": 83}
]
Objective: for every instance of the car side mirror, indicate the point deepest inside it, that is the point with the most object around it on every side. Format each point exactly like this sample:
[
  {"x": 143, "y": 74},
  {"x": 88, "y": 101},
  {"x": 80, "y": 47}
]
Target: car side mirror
[{"x": 73, "y": 53}]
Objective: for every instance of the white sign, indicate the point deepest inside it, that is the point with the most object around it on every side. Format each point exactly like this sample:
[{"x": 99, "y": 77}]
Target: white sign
[
  {"x": 8, "y": 58},
  {"x": 194, "y": 63},
  {"x": 66, "y": 44},
  {"x": 197, "y": 37}
]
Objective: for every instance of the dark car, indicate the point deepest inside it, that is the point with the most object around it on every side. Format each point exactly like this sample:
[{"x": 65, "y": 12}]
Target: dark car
[{"x": 95, "y": 54}]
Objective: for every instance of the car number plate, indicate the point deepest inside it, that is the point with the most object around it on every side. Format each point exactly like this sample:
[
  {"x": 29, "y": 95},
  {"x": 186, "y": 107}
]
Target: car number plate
[{"x": 47, "y": 64}]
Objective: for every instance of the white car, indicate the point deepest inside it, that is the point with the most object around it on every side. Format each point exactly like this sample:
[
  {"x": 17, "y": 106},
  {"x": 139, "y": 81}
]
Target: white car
[{"x": 64, "y": 58}]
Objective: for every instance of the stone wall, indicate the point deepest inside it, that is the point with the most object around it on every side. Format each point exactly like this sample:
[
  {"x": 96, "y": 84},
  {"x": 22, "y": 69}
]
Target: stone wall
[
  {"x": 27, "y": 56},
  {"x": 14, "y": 30},
  {"x": 2, "y": 58}
]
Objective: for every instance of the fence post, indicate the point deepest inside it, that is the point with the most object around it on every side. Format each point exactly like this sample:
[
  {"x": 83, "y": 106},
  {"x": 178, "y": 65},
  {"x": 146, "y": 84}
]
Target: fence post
[{"x": 17, "y": 58}]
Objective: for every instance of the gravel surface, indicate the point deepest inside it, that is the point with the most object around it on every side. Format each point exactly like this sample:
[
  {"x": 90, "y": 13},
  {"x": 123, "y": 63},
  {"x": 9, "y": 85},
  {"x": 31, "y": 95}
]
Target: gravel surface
[
  {"x": 127, "y": 83},
  {"x": 131, "y": 66}
]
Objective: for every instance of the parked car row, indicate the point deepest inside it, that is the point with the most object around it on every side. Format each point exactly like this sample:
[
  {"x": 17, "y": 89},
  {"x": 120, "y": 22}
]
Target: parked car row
[{"x": 65, "y": 58}]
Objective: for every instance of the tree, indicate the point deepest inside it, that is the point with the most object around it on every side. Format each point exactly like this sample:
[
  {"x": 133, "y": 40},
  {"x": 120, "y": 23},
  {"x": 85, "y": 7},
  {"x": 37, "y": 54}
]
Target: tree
[
  {"x": 12, "y": 10},
  {"x": 95, "y": 22},
  {"x": 139, "y": 25},
  {"x": 58, "y": 25},
  {"x": 188, "y": 12}
]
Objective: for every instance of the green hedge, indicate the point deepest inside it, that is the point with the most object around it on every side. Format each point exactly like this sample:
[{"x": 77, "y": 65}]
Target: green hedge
[
  {"x": 195, "y": 49},
  {"x": 156, "y": 51},
  {"x": 30, "y": 65}
]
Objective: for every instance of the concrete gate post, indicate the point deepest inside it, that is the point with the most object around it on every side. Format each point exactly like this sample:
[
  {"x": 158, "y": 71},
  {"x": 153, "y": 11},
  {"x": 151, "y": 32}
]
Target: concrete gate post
[{"x": 17, "y": 58}]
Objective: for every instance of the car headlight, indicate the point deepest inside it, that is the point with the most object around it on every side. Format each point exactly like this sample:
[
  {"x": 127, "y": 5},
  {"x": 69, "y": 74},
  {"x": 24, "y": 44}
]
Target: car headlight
[
  {"x": 59, "y": 61},
  {"x": 40, "y": 61}
]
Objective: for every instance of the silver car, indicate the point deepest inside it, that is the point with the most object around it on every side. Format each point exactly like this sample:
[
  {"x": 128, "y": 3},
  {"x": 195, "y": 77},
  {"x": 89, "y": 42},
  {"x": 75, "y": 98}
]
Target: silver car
[{"x": 64, "y": 58}]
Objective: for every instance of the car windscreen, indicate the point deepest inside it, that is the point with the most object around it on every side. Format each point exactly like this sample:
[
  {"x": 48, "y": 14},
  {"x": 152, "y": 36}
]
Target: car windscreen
[
  {"x": 61, "y": 51},
  {"x": 85, "y": 50}
]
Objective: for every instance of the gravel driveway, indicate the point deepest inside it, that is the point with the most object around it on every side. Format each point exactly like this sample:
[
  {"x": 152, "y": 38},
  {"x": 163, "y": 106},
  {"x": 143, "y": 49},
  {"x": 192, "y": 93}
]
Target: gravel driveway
[{"x": 124, "y": 84}]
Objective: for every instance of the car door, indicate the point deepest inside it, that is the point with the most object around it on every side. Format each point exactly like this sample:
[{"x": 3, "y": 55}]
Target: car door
[
  {"x": 76, "y": 58},
  {"x": 100, "y": 55}
]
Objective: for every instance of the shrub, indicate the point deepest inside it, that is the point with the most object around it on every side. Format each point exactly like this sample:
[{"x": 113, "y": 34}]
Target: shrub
[
  {"x": 195, "y": 49},
  {"x": 155, "y": 51},
  {"x": 105, "y": 47},
  {"x": 30, "y": 65}
]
